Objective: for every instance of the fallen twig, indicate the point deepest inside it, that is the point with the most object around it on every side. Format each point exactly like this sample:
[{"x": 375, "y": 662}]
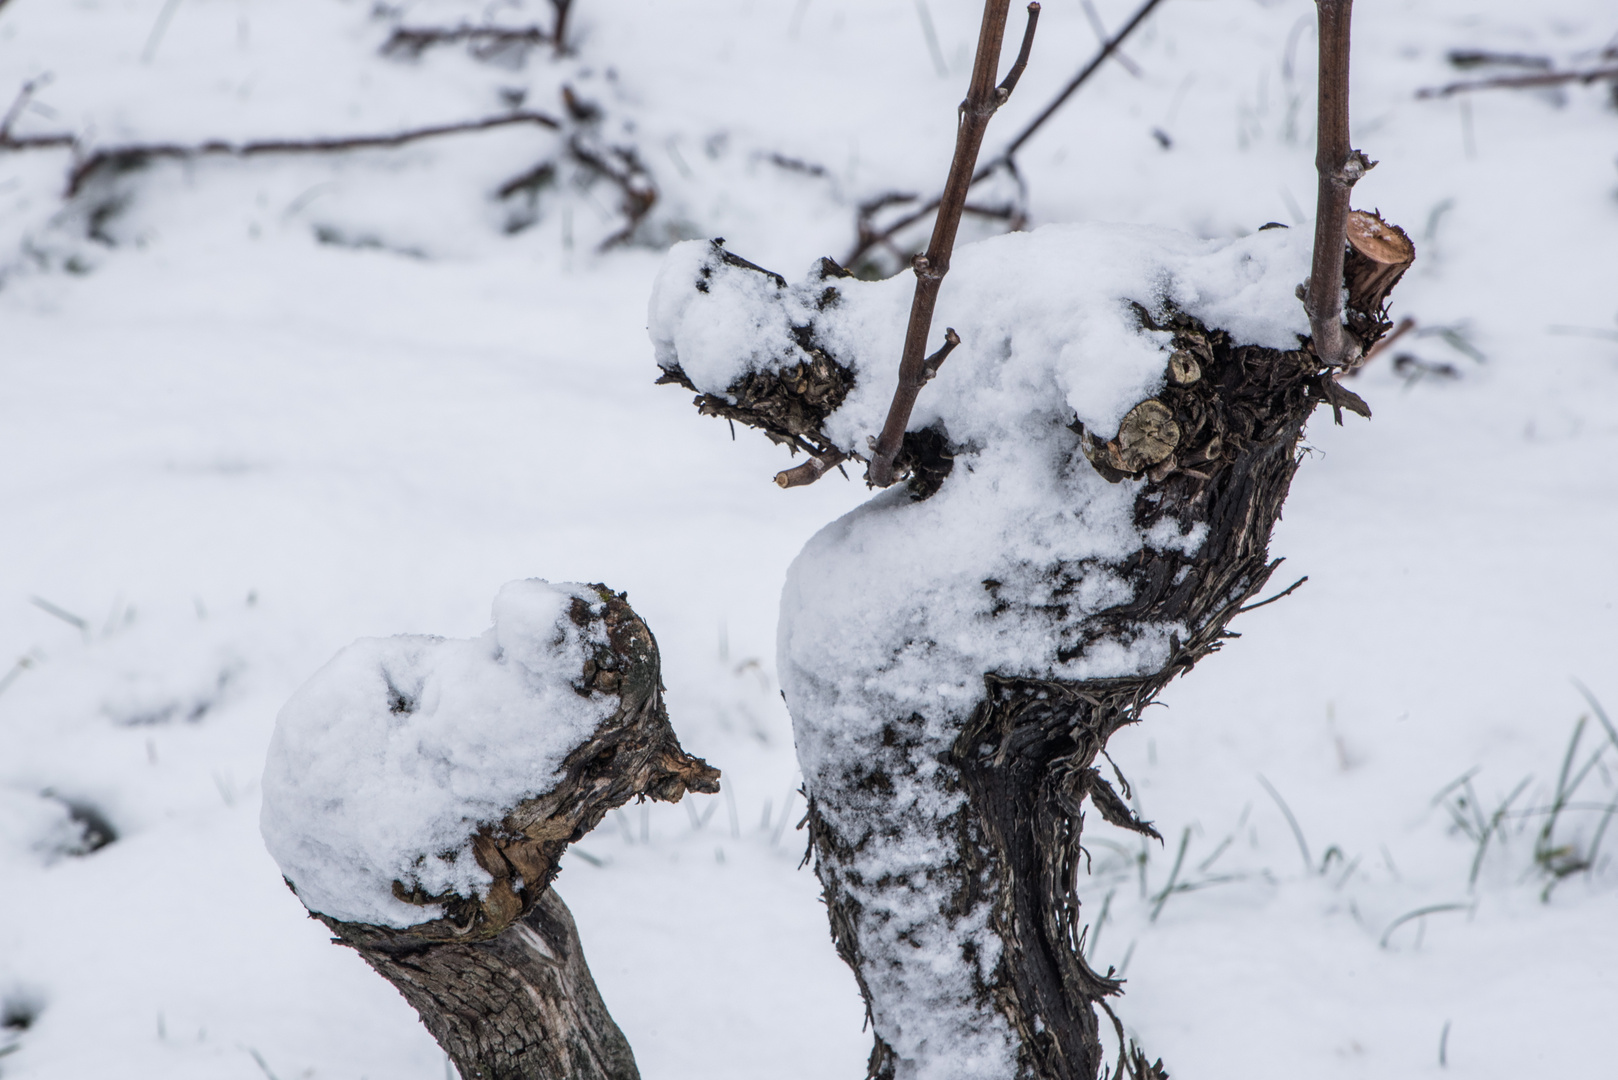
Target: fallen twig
[
  {"x": 412, "y": 41},
  {"x": 983, "y": 98},
  {"x": 134, "y": 153},
  {"x": 870, "y": 237},
  {"x": 25, "y": 94},
  {"x": 639, "y": 192},
  {"x": 1473, "y": 58},
  {"x": 1521, "y": 82}
]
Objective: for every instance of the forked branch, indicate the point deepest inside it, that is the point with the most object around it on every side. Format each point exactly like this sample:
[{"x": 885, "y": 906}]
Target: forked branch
[
  {"x": 870, "y": 237},
  {"x": 1339, "y": 167},
  {"x": 983, "y": 97}
]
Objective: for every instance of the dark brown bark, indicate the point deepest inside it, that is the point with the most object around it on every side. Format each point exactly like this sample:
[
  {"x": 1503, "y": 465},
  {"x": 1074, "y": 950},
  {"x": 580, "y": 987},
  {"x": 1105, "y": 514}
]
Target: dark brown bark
[
  {"x": 518, "y": 1006},
  {"x": 1605, "y": 73},
  {"x": 500, "y": 979}
]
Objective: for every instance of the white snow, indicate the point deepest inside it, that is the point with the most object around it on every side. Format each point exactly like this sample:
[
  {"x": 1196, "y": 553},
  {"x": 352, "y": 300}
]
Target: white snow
[
  {"x": 387, "y": 761},
  {"x": 1044, "y": 319},
  {"x": 228, "y": 446}
]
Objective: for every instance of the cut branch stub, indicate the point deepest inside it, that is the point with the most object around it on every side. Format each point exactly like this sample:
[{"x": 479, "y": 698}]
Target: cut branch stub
[
  {"x": 1147, "y": 435},
  {"x": 1377, "y": 256}
]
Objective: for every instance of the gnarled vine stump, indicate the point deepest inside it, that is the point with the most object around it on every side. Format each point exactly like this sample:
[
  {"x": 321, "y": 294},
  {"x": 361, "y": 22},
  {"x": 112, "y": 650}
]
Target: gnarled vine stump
[
  {"x": 499, "y": 978},
  {"x": 948, "y": 850}
]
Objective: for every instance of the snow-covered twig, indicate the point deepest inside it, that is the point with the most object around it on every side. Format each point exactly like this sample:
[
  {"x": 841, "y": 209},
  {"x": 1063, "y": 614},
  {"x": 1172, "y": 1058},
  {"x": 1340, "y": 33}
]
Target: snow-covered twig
[{"x": 983, "y": 98}]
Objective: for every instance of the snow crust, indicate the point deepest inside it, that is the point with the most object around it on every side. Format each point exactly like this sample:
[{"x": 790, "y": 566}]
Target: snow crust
[{"x": 386, "y": 762}]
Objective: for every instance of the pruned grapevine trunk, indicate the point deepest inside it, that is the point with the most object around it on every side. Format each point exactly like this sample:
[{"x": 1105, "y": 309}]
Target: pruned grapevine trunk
[
  {"x": 1028, "y": 758},
  {"x": 947, "y": 840},
  {"x": 518, "y": 1006}
]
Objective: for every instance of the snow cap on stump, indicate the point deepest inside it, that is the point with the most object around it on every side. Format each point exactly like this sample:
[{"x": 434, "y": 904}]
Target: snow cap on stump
[{"x": 417, "y": 780}]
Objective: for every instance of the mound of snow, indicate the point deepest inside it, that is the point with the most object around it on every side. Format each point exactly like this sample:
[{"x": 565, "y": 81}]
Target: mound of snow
[{"x": 387, "y": 761}]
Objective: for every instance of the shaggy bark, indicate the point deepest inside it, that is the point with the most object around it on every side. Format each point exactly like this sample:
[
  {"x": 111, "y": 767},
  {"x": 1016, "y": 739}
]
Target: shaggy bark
[
  {"x": 519, "y": 1006},
  {"x": 500, "y": 979},
  {"x": 1216, "y": 449}
]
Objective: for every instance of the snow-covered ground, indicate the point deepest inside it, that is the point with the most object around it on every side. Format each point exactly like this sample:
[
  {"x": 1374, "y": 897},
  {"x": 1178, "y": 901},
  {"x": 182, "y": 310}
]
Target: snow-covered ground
[{"x": 291, "y": 401}]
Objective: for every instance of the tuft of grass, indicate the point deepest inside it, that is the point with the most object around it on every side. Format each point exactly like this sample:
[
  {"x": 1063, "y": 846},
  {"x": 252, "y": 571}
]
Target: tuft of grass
[
  {"x": 1175, "y": 885},
  {"x": 1297, "y": 830},
  {"x": 1557, "y": 859},
  {"x": 1174, "y": 876},
  {"x": 1419, "y": 913},
  {"x": 1559, "y": 851}
]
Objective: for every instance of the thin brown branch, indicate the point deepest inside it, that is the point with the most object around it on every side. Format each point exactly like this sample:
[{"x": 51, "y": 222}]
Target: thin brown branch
[
  {"x": 1284, "y": 592},
  {"x": 1521, "y": 82},
  {"x": 930, "y": 367},
  {"x": 982, "y": 99},
  {"x": 1009, "y": 83},
  {"x": 135, "y": 153},
  {"x": 634, "y": 182},
  {"x": 811, "y": 470},
  {"x": 870, "y": 237},
  {"x": 1339, "y": 167}
]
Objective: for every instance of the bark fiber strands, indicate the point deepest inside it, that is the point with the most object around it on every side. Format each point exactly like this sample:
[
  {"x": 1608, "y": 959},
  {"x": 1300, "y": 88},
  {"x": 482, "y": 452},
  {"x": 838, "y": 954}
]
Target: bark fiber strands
[{"x": 518, "y": 1006}]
